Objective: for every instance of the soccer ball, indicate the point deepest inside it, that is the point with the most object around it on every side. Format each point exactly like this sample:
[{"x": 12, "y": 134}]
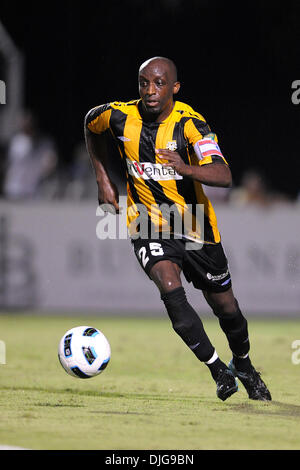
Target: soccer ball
[{"x": 84, "y": 352}]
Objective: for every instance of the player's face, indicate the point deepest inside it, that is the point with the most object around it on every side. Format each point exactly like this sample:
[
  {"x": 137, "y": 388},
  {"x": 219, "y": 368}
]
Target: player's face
[{"x": 156, "y": 88}]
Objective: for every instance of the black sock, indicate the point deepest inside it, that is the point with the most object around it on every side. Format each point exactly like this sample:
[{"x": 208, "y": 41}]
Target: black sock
[
  {"x": 242, "y": 364},
  {"x": 188, "y": 324},
  {"x": 235, "y": 327},
  {"x": 215, "y": 367}
]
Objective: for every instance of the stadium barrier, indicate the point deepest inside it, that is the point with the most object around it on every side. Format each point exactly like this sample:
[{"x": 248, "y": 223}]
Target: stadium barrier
[{"x": 51, "y": 260}]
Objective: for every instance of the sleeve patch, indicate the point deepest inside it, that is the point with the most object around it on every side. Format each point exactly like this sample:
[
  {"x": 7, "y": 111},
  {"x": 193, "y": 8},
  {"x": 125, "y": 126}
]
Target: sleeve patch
[{"x": 207, "y": 147}]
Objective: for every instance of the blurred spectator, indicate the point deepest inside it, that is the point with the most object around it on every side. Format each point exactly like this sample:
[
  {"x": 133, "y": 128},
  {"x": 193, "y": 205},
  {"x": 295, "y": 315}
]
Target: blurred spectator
[
  {"x": 255, "y": 190},
  {"x": 81, "y": 184},
  {"x": 31, "y": 159},
  {"x": 2, "y": 167}
]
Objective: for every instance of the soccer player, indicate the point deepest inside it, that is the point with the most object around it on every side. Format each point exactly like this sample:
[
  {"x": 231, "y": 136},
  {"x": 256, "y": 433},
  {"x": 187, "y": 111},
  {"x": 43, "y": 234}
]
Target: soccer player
[{"x": 168, "y": 151}]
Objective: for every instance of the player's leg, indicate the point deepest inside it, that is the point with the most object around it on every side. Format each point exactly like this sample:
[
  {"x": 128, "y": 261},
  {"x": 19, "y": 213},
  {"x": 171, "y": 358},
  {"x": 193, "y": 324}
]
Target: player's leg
[
  {"x": 208, "y": 270},
  {"x": 235, "y": 327},
  {"x": 232, "y": 322},
  {"x": 188, "y": 325},
  {"x": 185, "y": 321}
]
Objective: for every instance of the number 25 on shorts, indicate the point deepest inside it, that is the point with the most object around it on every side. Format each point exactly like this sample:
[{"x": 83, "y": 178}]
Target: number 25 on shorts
[{"x": 155, "y": 250}]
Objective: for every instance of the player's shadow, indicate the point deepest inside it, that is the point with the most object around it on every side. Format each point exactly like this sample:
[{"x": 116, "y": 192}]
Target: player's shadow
[
  {"x": 271, "y": 408},
  {"x": 250, "y": 407},
  {"x": 100, "y": 394}
]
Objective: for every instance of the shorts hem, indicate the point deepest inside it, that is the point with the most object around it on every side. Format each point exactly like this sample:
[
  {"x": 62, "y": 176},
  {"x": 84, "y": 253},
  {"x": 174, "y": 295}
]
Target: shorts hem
[{"x": 215, "y": 289}]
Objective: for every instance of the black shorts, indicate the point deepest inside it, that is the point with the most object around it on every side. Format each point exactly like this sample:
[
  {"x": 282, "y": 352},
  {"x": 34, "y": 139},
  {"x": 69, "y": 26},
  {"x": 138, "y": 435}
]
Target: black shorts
[{"x": 206, "y": 268}]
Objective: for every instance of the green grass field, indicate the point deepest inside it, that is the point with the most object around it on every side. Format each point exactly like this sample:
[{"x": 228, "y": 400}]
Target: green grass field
[{"x": 153, "y": 395}]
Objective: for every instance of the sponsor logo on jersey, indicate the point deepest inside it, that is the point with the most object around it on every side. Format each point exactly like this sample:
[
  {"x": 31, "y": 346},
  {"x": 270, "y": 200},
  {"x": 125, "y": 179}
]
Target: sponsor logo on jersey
[{"x": 154, "y": 171}]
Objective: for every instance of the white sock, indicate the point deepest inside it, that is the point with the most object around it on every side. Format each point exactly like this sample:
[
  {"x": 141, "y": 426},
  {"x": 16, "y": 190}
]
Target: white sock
[
  {"x": 213, "y": 358},
  {"x": 243, "y": 357}
]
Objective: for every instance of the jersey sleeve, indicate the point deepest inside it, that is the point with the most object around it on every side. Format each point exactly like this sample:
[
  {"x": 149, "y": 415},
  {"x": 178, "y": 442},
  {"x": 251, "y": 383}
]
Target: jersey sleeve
[
  {"x": 204, "y": 142},
  {"x": 97, "y": 119}
]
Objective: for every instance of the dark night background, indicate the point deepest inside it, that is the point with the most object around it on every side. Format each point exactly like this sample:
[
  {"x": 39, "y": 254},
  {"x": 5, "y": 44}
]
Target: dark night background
[{"x": 236, "y": 67}]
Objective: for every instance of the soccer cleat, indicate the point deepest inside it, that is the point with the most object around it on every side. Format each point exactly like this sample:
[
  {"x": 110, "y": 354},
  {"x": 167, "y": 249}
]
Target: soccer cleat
[
  {"x": 255, "y": 386},
  {"x": 226, "y": 384}
]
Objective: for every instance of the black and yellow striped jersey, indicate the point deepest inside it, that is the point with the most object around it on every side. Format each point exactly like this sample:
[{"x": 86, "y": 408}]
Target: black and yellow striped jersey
[{"x": 150, "y": 183}]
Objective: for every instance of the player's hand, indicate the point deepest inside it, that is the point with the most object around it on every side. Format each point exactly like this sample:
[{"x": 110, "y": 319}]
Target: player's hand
[
  {"x": 108, "y": 195},
  {"x": 174, "y": 161}
]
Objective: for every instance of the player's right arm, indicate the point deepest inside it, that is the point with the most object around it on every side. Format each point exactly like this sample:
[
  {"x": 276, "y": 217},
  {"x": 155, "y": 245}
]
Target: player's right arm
[{"x": 95, "y": 124}]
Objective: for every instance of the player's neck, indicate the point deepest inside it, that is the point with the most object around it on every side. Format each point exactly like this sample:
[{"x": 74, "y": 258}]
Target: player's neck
[{"x": 156, "y": 117}]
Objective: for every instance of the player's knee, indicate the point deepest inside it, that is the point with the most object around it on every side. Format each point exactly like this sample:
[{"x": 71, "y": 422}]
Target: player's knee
[
  {"x": 226, "y": 308},
  {"x": 166, "y": 276}
]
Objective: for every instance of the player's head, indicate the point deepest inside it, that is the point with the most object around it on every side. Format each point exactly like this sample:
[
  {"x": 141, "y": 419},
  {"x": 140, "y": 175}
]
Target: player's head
[{"x": 157, "y": 85}]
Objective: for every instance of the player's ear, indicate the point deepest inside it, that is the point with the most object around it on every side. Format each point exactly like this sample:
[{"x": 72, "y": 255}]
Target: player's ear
[{"x": 176, "y": 87}]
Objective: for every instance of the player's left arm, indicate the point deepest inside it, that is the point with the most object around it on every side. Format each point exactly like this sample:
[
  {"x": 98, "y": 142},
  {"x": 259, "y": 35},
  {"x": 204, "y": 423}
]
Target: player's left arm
[
  {"x": 214, "y": 173},
  {"x": 209, "y": 165}
]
